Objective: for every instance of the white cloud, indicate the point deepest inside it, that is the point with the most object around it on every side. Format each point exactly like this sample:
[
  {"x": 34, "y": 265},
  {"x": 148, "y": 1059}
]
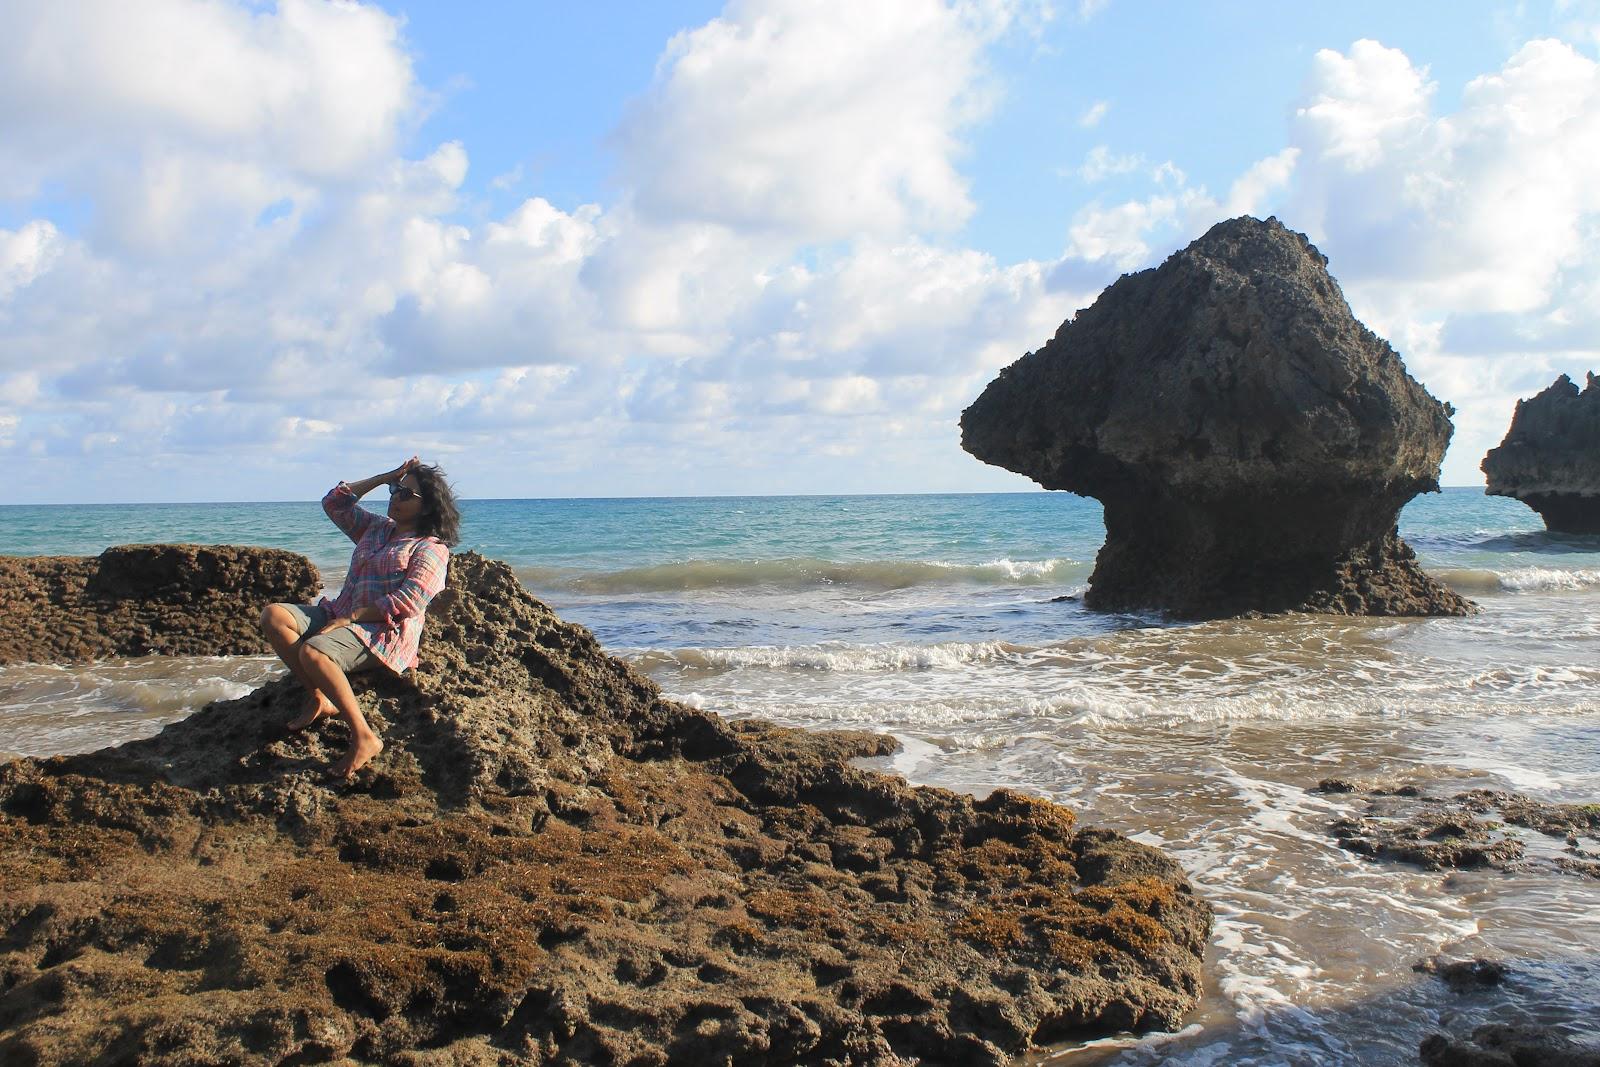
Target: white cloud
[
  {"x": 1264, "y": 178},
  {"x": 822, "y": 119},
  {"x": 1363, "y": 105},
  {"x": 1101, "y": 163},
  {"x": 1094, "y": 113},
  {"x": 312, "y": 88},
  {"x": 262, "y": 274},
  {"x": 26, "y": 253},
  {"x": 777, "y": 275}
]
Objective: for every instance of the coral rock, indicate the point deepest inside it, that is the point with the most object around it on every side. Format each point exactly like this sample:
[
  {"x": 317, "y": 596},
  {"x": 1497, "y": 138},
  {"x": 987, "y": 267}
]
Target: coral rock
[
  {"x": 551, "y": 863},
  {"x": 134, "y": 600},
  {"x": 1251, "y": 441}
]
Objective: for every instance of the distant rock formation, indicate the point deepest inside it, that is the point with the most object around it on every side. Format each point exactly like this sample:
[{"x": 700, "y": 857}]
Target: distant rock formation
[
  {"x": 1251, "y": 441},
  {"x": 550, "y": 863},
  {"x": 134, "y": 600},
  {"x": 1550, "y": 458}
]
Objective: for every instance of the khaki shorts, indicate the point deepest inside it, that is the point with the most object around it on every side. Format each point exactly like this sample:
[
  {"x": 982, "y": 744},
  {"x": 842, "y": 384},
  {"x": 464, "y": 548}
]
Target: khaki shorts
[{"x": 341, "y": 645}]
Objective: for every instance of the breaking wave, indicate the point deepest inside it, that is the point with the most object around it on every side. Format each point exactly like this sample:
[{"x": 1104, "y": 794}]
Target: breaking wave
[
  {"x": 810, "y": 573},
  {"x": 1518, "y": 580},
  {"x": 830, "y": 656}
]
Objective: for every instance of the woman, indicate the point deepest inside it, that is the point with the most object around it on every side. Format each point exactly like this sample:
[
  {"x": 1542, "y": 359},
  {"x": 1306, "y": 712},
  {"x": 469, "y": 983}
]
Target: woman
[{"x": 399, "y": 564}]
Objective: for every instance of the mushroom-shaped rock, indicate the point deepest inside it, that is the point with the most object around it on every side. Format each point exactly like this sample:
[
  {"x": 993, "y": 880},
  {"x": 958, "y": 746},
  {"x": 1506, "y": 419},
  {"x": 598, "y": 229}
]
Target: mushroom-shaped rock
[
  {"x": 1251, "y": 441},
  {"x": 1550, "y": 458},
  {"x": 551, "y": 863}
]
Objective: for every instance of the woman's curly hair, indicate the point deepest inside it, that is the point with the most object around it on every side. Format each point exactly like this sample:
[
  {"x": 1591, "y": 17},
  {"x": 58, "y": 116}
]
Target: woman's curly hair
[{"x": 440, "y": 516}]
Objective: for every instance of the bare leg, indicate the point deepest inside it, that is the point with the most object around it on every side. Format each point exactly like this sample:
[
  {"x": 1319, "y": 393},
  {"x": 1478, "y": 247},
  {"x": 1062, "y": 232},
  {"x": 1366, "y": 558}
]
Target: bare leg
[
  {"x": 327, "y": 676},
  {"x": 279, "y": 628}
]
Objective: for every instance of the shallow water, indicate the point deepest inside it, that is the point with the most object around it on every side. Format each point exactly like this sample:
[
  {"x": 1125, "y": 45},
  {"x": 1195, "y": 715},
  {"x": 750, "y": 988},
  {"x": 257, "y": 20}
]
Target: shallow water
[{"x": 938, "y": 620}]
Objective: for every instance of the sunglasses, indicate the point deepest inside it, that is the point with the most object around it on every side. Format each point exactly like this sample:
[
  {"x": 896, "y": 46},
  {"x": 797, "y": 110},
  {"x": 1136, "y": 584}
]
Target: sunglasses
[{"x": 402, "y": 492}]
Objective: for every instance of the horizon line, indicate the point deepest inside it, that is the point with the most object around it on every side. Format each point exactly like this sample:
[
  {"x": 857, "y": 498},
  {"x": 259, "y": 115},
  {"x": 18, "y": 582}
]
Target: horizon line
[{"x": 654, "y": 496}]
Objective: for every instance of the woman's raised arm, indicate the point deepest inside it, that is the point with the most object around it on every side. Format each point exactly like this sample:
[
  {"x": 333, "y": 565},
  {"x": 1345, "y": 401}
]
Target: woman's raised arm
[
  {"x": 340, "y": 501},
  {"x": 367, "y": 485}
]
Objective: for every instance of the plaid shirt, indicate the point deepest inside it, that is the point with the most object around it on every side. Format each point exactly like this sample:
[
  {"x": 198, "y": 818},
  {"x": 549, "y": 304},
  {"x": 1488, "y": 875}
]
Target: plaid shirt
[{"x": 396, "y": 575}]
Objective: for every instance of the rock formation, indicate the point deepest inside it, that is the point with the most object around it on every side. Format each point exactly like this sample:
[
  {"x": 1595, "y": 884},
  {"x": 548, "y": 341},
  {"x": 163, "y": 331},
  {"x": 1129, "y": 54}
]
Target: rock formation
[
  {"x": 1251, "y": 441},
  {"x": 132, "y": 600},
  {"x": 1476, "y": 828},
  {"x": 550, "y": 863},
  {"x": 1550, "y": 458}
]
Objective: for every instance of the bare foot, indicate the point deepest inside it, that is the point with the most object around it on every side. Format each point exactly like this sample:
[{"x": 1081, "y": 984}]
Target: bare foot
[
  {"x": 360, "y": 753},
  {"x": 321, "y": 708}
]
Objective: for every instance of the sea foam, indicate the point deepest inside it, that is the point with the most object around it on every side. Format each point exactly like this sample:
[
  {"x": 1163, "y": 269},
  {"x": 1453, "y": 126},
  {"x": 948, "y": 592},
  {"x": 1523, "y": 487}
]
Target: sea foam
[
  {"x": 830, "y": 657},
  {"x": 800, "y": 573}
]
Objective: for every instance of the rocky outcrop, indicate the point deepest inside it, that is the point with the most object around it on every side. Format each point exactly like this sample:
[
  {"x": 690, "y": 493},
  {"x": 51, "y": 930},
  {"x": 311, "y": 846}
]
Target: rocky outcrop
[
  {"x": 1475, "y": 828},
  {"x": 1251, "y": 441},
  {"x": 134, "y": 600},
  {"x": 1550, "y": 458},
  {"x": 1502, "y": 1045},
  {"x": 550, "y": 863}
]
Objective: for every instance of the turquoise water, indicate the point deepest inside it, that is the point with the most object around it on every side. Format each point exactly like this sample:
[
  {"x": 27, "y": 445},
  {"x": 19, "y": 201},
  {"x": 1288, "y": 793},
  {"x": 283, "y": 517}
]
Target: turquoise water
[
  {"x": 950, "y": 622},
  {"x": 686, "y": 572},
  {"x": 571, "y": 538}
]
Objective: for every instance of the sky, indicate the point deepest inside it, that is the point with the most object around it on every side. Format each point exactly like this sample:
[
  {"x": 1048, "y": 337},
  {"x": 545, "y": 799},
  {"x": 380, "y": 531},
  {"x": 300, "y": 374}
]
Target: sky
[{"x": 767, "y": 246}]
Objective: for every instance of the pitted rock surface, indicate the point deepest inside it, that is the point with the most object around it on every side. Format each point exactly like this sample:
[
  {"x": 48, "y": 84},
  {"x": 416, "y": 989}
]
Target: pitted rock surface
[
  {"x": 1550, "y": 458},
  {"x": 1251, "y": 441},
  {"x": 550, "y": 863},
  {"x": 135, "y": 600}
]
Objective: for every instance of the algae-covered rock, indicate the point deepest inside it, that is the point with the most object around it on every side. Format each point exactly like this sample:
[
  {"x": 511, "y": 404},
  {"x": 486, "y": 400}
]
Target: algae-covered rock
[
  {"x": 134, "y": 600},
  {"x": 550, "y": 863},
  {"x": 1251, "y": 441},
  {"x": 1550, "y": 458}
]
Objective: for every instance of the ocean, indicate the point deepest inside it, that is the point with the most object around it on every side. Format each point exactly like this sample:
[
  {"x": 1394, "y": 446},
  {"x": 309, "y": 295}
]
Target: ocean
[{"x": 951, "y": 622}]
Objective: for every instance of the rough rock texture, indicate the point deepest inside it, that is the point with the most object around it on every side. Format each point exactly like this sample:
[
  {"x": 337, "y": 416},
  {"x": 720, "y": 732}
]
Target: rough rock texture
[
  {"x": 133, "y": 600},
  {"x": 1550, "y": 458},
  {"x": 1251, "y": 441},
  {"x": 1476, "y": 828},
  {"x": 1499, "y": 1045},
  {"x": 549, "y": 863}
]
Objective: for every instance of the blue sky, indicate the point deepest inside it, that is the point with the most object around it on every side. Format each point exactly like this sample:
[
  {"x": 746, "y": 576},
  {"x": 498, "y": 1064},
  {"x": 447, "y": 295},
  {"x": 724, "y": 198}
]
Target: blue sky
[{"x": 767, "y": 246}]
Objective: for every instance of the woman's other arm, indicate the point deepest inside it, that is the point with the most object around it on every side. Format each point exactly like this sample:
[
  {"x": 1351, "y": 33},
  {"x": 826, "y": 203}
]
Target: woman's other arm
[{"x": 425, "y": 576}]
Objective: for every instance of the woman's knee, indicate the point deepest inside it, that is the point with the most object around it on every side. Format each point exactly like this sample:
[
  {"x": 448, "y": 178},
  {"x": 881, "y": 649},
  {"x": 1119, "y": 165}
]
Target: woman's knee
[{"x": 274, "y": 617}]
